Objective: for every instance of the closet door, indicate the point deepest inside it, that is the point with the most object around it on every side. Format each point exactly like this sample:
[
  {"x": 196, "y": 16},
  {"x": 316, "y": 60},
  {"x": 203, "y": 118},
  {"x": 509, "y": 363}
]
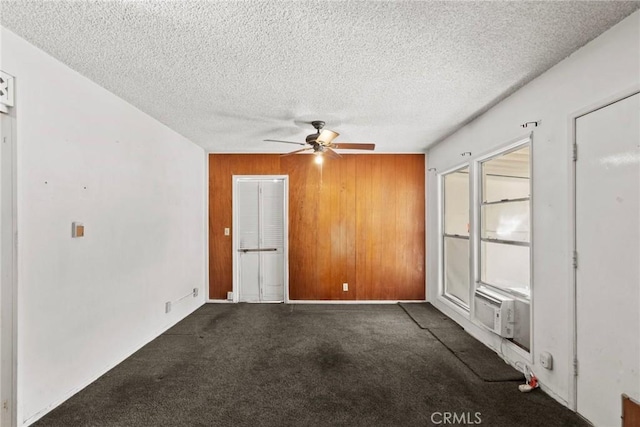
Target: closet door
[
  {"x": 248, "y": 232},
  {"x": 608, "y": 249},
  {"x": 260, "y": 229}
]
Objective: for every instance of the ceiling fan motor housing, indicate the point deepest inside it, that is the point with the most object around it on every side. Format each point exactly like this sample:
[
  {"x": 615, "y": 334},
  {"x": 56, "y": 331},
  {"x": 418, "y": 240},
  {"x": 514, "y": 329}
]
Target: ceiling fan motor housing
[{"x": 318, "y": 124}]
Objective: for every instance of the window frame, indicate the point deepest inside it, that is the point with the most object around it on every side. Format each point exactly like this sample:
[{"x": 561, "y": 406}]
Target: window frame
[
  {"x": 477, "y": 208},
  {"x": 458, "y": 303}
]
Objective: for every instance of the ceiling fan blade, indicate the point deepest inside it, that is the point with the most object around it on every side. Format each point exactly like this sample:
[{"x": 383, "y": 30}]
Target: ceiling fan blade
[
  {"x": 297, "y": 151},
  {"x": 331, "y": 153},
  {"x": 326, "y": 136},
  {"x": 354, "y": 146},
  {"x": 286, "y": 142}
]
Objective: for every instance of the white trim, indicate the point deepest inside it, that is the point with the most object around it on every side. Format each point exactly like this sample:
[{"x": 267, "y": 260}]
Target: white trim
[
  {"x": 453, "y": 306},
  {"x": 441, "y": 213},
  {"x": 426, "y": 226},
  {"x": 459, "y": 166},
  {"x": 553, "y": 394},
  {"x": 512, "y": 145},
  {"x": 9, "y": 235},
  {"x": 572, "y": 400},
  {"x": 361, "y": 302},
  {"x": 206, "y": 227},
  {"x": 234, "y": 249},
  {"x": 342, "y": 153},
  {"x": 474, "y": 235},
  {"x": 338, "y": 301}
]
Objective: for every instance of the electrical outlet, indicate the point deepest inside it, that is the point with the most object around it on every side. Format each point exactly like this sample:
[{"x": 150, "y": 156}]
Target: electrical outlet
[
  {"x": 167, "y": 306},
  {"x": 546, "y": 360},
  {"x": 227, "y": 231},
  {"x": 345, "y": 287},
  {"x": 195, "y": 292}
]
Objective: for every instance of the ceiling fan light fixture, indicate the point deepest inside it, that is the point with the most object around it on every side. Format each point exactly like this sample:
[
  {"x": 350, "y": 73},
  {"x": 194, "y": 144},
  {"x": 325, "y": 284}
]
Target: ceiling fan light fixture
[
  {"x": 322, "y": 142},
  {"x": 326, "y": 136},
  {"x": 318, "y": 158}
]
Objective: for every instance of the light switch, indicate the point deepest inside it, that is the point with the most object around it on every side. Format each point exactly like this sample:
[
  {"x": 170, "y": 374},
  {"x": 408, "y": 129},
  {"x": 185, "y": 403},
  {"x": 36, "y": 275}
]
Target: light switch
[
  {"x": 77, "y": 229},
  {"x": 227, "y": 231}
]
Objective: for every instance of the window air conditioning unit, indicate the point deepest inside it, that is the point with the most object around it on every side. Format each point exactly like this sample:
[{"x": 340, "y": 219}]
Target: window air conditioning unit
[{"x": 495, "y": 312}]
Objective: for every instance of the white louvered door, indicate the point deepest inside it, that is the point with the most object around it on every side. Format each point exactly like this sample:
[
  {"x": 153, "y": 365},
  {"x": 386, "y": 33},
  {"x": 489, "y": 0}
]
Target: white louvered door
[
  {"x": 272, "y": 239},
  {"x": 260, "y": 229},
  {"x": 248, "y": 230}
]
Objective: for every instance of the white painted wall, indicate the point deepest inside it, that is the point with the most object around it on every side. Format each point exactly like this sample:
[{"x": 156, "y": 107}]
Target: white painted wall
[
  {"x": 607, "y": 66},
  {"x": 86, "y": 155}
]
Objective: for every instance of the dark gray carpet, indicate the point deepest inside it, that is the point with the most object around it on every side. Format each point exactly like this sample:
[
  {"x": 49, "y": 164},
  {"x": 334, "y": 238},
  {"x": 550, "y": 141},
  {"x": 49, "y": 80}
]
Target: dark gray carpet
[
  {"x": 300, "y": 365},
  {"x": 483, "y": 361}
]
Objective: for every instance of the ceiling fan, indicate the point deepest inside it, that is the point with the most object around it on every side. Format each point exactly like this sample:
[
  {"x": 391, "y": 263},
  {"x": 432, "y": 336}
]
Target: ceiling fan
[{"x": 321, "y": 142}]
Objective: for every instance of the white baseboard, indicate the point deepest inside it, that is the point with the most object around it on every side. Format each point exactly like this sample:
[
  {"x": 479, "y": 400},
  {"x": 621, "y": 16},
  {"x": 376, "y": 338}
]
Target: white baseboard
[{"x": 300, "y": 301}]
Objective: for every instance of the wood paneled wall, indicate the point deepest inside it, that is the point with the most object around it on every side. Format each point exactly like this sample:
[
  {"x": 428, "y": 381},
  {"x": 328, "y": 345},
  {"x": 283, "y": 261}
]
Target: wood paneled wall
[{"x": 359, "y": 219}]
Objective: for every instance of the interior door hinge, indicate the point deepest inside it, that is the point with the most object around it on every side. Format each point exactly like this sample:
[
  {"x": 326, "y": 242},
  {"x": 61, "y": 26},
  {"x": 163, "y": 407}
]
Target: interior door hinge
[
  {"x": 575, "y": 259},
  {"x": 575, "y": 152},
  {"x": 575, "y": 367}
]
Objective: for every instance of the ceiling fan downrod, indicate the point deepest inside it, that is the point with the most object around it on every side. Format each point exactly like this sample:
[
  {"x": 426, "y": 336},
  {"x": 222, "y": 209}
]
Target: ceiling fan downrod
[{"x": 318, "y": 124}]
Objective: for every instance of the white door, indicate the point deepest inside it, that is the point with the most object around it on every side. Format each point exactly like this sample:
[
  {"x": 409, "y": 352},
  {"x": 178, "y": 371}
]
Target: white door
[
  {"x": 608, "y": 250},
  {"x": 260, "y": 233}
]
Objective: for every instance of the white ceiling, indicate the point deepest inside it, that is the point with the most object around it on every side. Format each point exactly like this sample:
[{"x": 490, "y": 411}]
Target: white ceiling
[{"x": 229, "y": 74}]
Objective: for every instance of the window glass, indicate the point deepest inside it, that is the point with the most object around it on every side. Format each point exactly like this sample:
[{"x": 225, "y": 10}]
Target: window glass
[
  {"x": 456, "y": 236},
  {"x": 506, "y": 177},
  {"x": 456, "y": 203},
  {"x": 505, "y": 222},
  {"x": 456, "y": 254},
  {"x": 506, "y": 266}
]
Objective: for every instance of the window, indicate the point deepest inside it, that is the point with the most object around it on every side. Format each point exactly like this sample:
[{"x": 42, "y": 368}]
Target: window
[
  {"x": 505, "y": 232},
  {"x": 455, "y": 236}
]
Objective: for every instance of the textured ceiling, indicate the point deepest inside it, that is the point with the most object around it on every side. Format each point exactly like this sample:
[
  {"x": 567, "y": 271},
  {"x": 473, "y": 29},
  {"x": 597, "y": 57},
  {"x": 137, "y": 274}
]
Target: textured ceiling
[{"x": 229, "y": 74}]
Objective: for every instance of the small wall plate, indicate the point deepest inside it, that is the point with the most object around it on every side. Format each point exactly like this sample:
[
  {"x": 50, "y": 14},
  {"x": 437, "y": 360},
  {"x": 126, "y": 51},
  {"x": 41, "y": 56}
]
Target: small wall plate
[{"x": 77, "y": 229}]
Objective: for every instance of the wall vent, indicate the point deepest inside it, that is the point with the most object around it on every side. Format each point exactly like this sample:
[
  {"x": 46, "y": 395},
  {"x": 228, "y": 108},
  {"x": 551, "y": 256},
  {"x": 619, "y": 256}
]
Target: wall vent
[{"x": 6, "y": 89}]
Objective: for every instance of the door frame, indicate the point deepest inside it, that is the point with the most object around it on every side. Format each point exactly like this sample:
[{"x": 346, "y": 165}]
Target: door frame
[
  {"x": 9, "y": 259},
  {"x": 234, "y": 248},
  {"x": 572, "y": 197}
]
